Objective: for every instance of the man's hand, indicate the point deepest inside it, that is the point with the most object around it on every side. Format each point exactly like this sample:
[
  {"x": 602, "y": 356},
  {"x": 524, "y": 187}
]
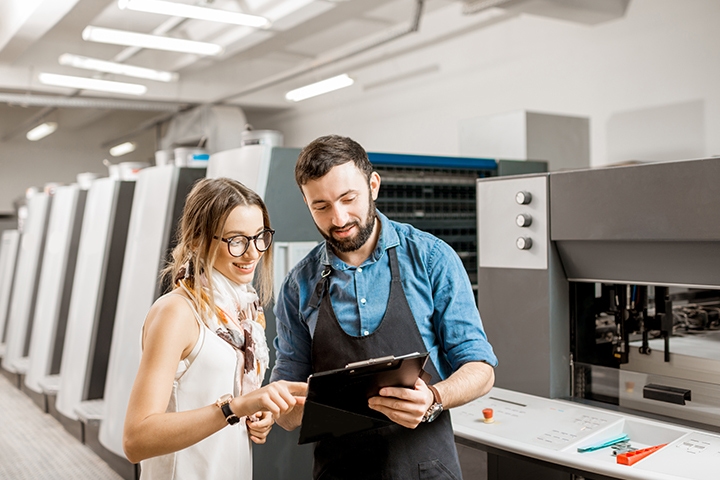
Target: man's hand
[
  {"x": 404, "y": 406},
  {"x": 259, "y": 425}
]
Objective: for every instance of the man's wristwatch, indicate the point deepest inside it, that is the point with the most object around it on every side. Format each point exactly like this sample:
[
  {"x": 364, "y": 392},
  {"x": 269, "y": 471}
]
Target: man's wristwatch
[
  {"x": 435, "y": 409},
  {"x": 223, "y": 404}
]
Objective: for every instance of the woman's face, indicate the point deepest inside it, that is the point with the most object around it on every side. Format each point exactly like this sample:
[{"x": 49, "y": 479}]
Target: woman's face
[{"x": 243, "y": 220}]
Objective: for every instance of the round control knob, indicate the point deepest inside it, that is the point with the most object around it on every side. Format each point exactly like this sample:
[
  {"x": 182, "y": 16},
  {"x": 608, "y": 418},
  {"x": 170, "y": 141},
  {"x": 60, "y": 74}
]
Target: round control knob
[
  {"x": 488, "y": 415},
  {"x": 523, "y": 220},
  {"x": 523, "y": 243},
  {"x": 523, "y": 198}
]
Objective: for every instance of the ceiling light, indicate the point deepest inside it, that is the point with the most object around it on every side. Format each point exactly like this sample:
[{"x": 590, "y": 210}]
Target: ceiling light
[
  {"x": 85, "y": 83},
  {"x": 315, "y": 89},
  {"x": 78, "y": 61},
  {"x": 41, "y": 131},
  {"x": 143, "y": 40},
  {"x": 192, "y": 11},
  {"x": 122, "y": 149}
]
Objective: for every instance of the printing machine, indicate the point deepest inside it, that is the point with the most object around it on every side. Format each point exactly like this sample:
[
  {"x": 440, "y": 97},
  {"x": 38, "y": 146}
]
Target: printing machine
[
  {"x": 600, "y": 292},
  {"x": 91, "y": 312},
  {"x": 157, "y": 204},
  {"x": 55, "y": 283},
  {"x": 8, "y": 261},
  {"x": 25, "y": 285}
]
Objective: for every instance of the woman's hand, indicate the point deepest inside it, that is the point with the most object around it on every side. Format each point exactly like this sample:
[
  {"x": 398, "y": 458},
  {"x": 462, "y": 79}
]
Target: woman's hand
[
  {"x": 259, "y": 425},
  {"x": 276, "y": 398}
]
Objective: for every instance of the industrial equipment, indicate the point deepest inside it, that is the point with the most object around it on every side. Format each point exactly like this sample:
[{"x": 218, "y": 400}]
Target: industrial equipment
[
  {"x": 93, "y": 300},
  {"x": 25, "y": 284},
  {"x": 55, "y": 284},
  {"x": 603, "y": 286}
]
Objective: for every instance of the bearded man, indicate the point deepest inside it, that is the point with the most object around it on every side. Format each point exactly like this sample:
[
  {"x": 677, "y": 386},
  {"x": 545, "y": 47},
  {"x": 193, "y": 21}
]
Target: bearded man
[{"x": 375, "y": 288}]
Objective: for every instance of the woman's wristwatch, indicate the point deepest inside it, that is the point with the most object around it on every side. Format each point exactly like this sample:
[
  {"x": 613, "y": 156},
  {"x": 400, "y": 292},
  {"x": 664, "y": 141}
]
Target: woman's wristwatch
[
  {"x": 435, "y": 409},
  {"x": 223, "y": 404}
]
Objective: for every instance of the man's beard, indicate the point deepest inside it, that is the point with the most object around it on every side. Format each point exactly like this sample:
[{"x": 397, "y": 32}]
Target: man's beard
[{"x": 347, "y": 245}]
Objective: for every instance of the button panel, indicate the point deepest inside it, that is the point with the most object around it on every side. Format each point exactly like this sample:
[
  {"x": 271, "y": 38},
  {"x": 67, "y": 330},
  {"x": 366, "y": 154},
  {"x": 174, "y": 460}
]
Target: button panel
[{"x": 512, "y": 218}]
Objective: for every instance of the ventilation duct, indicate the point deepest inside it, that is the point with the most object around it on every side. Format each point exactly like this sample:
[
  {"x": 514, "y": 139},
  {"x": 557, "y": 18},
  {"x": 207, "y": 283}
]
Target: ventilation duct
[
  {"x": 581, "y": 11},
  {"x": 216, "y": 127}
]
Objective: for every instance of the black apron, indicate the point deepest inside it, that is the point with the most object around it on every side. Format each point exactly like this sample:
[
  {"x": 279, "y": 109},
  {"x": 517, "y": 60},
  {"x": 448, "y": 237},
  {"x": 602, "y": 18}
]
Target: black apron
[{"x": 391, "y": 452}]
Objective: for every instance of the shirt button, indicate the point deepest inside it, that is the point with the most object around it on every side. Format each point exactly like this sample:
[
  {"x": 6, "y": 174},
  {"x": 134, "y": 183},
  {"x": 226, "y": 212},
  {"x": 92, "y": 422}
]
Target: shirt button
[
  {"x": 366, "y": 332},
  {"x": 359, "y": 270},
  {"x": 363, "y": 301}
]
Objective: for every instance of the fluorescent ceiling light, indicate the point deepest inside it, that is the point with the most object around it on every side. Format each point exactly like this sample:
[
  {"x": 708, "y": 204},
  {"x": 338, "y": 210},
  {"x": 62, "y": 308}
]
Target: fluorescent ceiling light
[
  {"x": 143, "y": 40},
  {"x": 41, "y": 131},
  {"x": 315, "y": 89},
  {"x": 85, "y": 83},
  {"x": 192, "y": 11},
  {"x": 78, "y": 61},
  {"x": 122, "y": 149}
]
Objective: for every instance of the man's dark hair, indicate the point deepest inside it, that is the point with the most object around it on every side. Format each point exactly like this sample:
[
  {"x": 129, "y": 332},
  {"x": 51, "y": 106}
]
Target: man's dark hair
[{"x": 324, "y": 153}]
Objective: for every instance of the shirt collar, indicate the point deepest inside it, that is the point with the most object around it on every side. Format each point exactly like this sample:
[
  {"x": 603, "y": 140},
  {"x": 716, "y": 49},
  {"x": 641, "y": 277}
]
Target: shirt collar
[{"x": 388, "y": 239}]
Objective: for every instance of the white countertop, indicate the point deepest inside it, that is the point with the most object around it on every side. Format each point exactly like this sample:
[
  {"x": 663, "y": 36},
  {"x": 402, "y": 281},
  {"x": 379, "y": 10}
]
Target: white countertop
[{"x": 552, "y": 430}]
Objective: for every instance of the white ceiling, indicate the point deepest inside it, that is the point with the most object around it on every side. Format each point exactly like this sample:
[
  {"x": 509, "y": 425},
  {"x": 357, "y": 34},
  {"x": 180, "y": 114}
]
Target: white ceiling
[
  {"x": 34, "y": 33},
  {"x": 257, "y": 67}
]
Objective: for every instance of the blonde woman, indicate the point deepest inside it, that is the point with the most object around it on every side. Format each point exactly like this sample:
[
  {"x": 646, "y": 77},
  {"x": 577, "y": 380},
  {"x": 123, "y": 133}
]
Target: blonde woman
[{"x": 197, "y": 400}]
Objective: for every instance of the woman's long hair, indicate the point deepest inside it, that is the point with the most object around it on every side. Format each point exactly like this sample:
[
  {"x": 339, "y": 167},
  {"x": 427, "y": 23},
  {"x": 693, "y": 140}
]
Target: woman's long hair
[{"x": 207, "y": 207}]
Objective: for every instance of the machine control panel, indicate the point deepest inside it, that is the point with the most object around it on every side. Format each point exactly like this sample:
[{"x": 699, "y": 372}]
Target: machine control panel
[
  {"x": 512, "y": 218},
  {"x": 588, "y": 439}
]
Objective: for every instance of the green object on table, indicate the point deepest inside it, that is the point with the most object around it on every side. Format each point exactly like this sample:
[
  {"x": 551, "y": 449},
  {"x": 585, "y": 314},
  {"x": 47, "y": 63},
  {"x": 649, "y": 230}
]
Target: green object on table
[{"x": 622, "y": 438}]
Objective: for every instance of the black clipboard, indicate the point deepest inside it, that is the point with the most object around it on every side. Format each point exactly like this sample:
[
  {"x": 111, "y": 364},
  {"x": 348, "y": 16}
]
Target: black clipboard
[{"x": 336, "y": 403}]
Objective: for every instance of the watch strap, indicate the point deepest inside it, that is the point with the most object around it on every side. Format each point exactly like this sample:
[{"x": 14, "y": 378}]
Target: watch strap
[
  {"x": 230, "y": 416},
  {"x": 436, "y": 394}
]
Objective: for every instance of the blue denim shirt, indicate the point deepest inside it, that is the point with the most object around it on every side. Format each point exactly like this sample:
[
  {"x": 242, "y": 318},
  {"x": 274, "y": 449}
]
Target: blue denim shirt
[{"x": 436, "y": 286}]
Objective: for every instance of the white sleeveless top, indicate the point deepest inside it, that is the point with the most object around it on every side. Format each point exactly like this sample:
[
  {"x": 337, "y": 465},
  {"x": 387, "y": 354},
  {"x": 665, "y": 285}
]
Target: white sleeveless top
[{"x": 201, "y": 378}]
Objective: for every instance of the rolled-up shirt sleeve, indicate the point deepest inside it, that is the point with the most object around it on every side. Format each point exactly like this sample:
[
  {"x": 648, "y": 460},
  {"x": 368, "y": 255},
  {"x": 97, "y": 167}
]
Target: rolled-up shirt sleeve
[
  {"x": 456, "y": 319},
  {"x": 293, "y": 342}
]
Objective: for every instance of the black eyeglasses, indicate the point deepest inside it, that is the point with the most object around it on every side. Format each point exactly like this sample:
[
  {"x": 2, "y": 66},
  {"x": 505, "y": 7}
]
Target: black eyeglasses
[{"x": 238, "y": 244}]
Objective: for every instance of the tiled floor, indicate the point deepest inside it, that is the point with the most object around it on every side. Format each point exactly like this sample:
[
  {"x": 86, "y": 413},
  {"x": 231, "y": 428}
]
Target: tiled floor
[{"x": 34, "y": 446}]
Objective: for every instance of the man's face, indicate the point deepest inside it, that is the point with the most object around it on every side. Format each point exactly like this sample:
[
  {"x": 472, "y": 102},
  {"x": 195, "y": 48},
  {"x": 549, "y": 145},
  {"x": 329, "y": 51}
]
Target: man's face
[{"x": 343, "y": 206}]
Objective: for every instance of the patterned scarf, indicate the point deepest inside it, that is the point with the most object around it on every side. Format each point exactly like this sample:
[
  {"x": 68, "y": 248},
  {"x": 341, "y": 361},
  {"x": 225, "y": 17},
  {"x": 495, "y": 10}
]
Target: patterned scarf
[{"x": 240, "y": 321}]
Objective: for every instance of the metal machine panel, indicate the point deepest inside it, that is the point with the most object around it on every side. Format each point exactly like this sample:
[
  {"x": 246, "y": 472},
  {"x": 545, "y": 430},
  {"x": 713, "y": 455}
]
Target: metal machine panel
[
  {"x": 55, "y": 283},
  {"x": 251, "y": 161},
  {"x": 22, "y": 307},
  {"x": 642, "y": 262},
  {"x": 99, "y": 262},
  {"x": 8, "y": 261},
  {"x": 289, "y": 215},
  {"x": 652, "y": 223},
  {"x": 506, "y": 223},
  {"x": 150, "y": 237},
  {"x": 286, "y": 256},
  {"x": 669, "y": 201}
]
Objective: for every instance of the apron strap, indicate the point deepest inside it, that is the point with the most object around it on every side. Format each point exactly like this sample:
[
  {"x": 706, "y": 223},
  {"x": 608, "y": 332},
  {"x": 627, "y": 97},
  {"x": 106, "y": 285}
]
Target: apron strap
[{"x": 321, "y": 287}]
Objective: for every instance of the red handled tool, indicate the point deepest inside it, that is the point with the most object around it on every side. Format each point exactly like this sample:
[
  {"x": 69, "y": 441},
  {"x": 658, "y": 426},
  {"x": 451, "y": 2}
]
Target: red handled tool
[{"x": 629, "y": 458}]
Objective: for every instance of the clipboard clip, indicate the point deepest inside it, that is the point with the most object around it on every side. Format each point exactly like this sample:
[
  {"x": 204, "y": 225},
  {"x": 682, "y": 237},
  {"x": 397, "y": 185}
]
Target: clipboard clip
[{"x": 371, "y": 361}]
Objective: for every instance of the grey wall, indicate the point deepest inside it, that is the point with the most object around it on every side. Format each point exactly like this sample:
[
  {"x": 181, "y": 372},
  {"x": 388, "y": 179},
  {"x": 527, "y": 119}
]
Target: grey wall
[{"x": 74, "y": 148}]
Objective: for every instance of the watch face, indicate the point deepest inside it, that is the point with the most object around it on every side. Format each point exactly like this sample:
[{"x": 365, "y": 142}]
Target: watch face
[{"x": 433, "y": 412}]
